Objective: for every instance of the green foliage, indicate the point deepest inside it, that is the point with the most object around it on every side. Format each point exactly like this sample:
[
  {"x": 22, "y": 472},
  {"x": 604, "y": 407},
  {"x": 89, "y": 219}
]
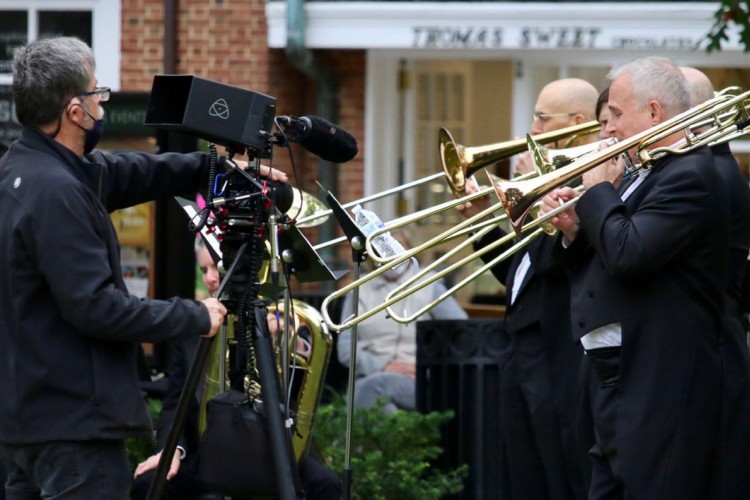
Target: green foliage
[
  {"x": 140, "y": 448},
  {"x": 392, "y": 455},
  {"x": 729, "y": 12}
]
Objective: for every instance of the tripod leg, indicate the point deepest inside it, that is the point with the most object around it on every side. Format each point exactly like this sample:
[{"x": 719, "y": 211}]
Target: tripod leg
[
  {"x": 191, "y": 384},
  {"x": 287, "y": 475}
]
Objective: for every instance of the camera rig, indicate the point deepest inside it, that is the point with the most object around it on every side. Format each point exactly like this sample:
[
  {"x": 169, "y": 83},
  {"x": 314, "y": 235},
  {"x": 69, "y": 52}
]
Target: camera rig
[{"x": 245, "y": 213}]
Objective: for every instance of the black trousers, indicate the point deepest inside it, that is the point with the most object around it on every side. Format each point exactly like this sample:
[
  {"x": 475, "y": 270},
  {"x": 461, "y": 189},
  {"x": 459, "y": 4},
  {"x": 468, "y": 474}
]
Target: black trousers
[
  {"x": 531, "y": 425},
  {"x": 605, "y": 482},
  {"x": 63, "y": 470}
]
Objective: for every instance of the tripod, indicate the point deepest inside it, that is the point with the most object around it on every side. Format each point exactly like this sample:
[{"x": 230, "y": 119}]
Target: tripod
[{"x": 242, "y": 250}]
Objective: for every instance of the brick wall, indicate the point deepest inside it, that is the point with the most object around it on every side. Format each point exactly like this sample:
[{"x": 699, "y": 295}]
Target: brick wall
[{"x": 225, "y": 40}]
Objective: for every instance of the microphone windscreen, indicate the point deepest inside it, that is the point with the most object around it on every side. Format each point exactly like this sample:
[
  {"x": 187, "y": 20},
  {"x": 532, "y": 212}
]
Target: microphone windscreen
[{"x": 329, "y": 142}]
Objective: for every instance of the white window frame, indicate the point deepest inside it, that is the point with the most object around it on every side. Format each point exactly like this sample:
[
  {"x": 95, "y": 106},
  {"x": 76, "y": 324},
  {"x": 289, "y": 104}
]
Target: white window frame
[{"x": 106, "y": 32}]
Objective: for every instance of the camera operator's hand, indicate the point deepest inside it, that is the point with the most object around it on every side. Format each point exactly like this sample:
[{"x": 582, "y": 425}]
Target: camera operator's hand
[
  {"x": 265, "y": 171},
  {"x": 273, "y": 174},
  {"x": 153, "y": 461},
  {"x": 217, "y": 312}
]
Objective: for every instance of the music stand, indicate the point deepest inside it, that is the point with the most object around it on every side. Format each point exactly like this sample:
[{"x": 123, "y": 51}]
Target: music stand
[{"x": 357, "y": 242}]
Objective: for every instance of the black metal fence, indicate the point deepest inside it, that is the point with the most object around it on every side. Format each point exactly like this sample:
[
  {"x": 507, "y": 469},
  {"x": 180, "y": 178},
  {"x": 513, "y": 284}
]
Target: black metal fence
[{"x": 458, "y": 368}]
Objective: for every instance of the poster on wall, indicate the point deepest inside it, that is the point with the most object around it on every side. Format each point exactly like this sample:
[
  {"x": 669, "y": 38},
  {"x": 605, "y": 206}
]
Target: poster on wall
[{"x": 133, "y": 226}]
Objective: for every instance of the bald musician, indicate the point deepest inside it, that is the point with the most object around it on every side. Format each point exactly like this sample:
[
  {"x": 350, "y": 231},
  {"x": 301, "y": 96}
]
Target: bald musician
[
  {"x": 733, "y": 453},
  {"x": 539, "y": 383}
]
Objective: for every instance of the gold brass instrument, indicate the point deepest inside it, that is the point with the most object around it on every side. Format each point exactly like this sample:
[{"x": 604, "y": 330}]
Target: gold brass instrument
[
  {"x": 407, "y": 255},
  {"x": 725, "y": 116},
  {"x": 549, "y": 159},
  {"x": 475, "y": 225},
  {"x": 304, "y": 205},
  {"x": 518, "y": 197},
  {"x": 545, "y": 160},
  {"x": 460, "y": 162},
  {"x": 309, "y": 371}
]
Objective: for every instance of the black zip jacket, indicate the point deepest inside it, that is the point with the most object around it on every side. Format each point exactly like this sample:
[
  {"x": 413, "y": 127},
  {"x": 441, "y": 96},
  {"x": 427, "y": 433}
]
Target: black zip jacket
[{"x": 68, "y": 327}]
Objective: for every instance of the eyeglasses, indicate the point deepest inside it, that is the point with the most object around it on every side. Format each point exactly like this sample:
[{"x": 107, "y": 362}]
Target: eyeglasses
[
  {"x": 102, "y": 92},
  {"x": 543, "y": 117}
]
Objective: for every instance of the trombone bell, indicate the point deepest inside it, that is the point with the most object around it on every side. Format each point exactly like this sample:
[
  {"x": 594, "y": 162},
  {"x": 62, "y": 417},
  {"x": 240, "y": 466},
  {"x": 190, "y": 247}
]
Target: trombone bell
[
  {"x": 306, "y": 206},
  {"x": 453, "y": 164},
  {"x": 460, "y": 162}
]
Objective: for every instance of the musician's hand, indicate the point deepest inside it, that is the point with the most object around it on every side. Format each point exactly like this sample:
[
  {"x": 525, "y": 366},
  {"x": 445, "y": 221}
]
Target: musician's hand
[
  {"x": 276, "y": 325},
  {"x": 524, "y": 164},
  {"x": 152, "y": 462},
  {"x": 217, "y": 312},
  {"x": 566, "y": 221},
  {"x": 610, "y": 171},
  {"x": 471, "y": 208},
  {"x": 401, "y": 366}
]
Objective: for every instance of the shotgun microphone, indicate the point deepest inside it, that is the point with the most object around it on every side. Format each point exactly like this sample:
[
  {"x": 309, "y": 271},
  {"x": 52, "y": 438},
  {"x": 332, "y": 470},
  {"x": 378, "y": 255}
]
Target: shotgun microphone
[{"x": 320, "y": 137}]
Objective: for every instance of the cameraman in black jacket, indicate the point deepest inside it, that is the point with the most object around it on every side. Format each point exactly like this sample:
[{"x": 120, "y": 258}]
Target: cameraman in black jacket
[{"x": 69, "y": 328}]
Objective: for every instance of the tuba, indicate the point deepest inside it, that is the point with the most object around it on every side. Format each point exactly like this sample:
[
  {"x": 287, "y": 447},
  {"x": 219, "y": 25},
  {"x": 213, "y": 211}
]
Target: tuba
[{"x": 307, "y": 371}]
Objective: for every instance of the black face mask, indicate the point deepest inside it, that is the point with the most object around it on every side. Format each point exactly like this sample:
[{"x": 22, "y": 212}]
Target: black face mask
[{"x": 93, "y": 134}]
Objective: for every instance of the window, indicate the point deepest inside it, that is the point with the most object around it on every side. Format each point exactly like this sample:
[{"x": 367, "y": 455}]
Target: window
[
  {"x": 97, "y": 22},
  {"x": 13, "y": 33}
]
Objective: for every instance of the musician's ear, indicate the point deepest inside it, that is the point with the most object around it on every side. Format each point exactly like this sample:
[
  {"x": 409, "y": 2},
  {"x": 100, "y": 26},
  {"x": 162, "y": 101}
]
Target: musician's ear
[{"x": 656, "y": 111}]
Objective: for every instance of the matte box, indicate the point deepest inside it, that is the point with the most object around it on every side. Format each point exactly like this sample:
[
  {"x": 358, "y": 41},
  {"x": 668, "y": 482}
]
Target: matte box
[{"x": 217, "y": 112}]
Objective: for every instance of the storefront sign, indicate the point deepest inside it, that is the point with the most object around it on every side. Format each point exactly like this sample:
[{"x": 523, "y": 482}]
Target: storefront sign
[
  {"x": 545, "y": 37},
  {"x": 607, "y": 26}
]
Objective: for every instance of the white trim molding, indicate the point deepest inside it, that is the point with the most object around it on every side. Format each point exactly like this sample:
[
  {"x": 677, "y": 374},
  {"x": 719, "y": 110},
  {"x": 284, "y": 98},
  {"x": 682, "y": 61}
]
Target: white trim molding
[{"x": 487, "y": 26}]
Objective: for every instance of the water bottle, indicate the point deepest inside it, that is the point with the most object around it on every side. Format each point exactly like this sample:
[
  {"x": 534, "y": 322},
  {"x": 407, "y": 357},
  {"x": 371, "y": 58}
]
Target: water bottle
[{"x": 369, "y": 222}]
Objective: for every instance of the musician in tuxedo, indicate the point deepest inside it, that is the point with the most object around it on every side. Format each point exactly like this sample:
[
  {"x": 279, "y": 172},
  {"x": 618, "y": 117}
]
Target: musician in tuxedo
[
  {"x": 539, "y": 386},
  {"x": 733, "y": 452},
  {"x": 648, "y": 264}
]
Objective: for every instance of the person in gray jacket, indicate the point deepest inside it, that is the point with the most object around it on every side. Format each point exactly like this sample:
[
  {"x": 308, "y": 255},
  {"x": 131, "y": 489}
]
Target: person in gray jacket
[
  {"x": 386, "y": 350},
  {"x": 69, "y": 329}
]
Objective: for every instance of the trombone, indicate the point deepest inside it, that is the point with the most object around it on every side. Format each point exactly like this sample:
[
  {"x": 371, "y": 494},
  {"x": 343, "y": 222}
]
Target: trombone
[
  {"x": 475, "y": 224},
  {"x": 403, "y": 257},
  {"x": 460, "y": 162},
  {"x": 520, "y": 196},
  {"x": 545, "y": 160},
  {"x": 724, "y": 121}
]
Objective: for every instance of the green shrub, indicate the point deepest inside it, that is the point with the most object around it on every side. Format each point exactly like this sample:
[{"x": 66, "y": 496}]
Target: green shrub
[{"x": 392, "y": 455}]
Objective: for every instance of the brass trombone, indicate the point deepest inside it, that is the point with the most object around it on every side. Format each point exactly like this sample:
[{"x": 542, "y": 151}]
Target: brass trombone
[
  {"x": 546, "y": 160},
  {"x": 475, "y": 225},
  {"x": 726, "y": 120},
  {"x": 518, "y": 197},
  {"x": 460, "y": 162}
]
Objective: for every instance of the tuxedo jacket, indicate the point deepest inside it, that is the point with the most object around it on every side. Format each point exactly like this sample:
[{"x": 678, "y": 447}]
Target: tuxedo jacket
[
  {"x": 733, "y": 452},
  {"x": 657, "y": 264},
  {"x": 542, "y": 305}
]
